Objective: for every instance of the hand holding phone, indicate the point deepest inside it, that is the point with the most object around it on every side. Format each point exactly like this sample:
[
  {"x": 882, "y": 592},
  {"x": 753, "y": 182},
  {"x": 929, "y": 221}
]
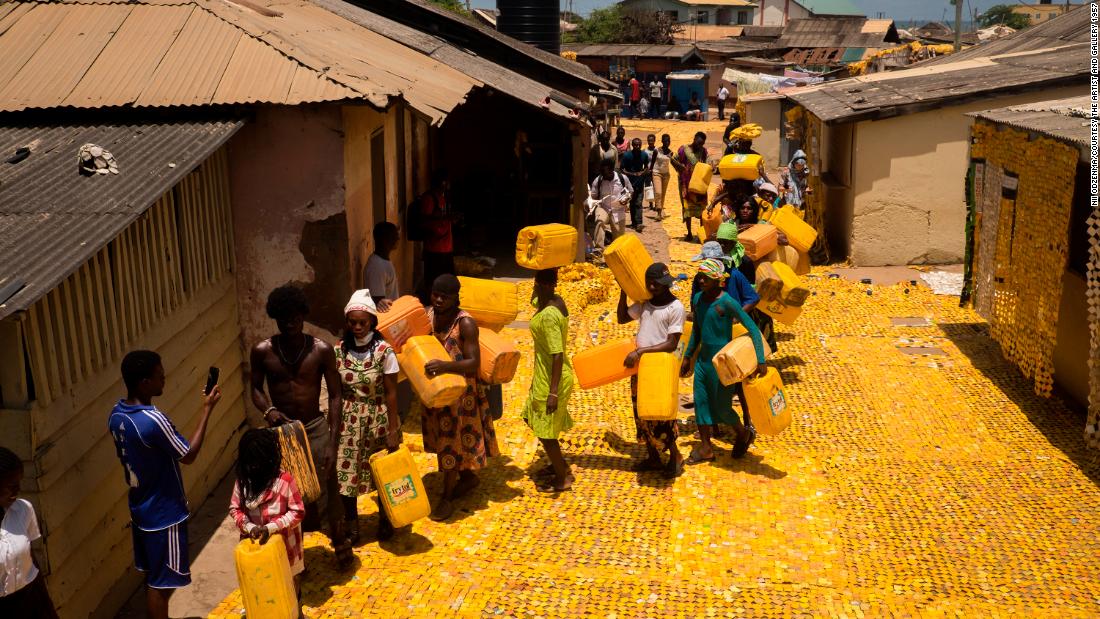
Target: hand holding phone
[{"x": 211, "y": 380}]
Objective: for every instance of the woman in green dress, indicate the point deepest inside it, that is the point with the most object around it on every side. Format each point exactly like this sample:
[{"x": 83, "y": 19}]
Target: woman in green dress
[
  {"x": 715, "y": 314},
  {"x": 546, "y": 410}
]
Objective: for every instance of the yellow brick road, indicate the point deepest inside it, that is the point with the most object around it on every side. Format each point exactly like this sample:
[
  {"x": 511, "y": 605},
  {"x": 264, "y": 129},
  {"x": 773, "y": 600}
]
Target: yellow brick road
[{"x": 925, "y": 485}]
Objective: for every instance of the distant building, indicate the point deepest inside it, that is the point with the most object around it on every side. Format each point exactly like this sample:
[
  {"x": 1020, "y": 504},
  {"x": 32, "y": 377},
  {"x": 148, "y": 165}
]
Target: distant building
[
  {"x": 826, "y": 43},
  {"x": 703, "y": 12},
  {"x": 781, "y": 12},
  {"x": 1042, "y": 11}
]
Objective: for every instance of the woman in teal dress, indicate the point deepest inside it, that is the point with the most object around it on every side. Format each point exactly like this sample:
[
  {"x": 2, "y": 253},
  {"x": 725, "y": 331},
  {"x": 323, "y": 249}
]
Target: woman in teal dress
[
  {"x": 715, "y": 314},
  {"x": 546, "y": 410}
]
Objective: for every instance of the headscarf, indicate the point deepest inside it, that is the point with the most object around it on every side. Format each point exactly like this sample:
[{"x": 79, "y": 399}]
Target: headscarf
[
  {"x": 361, "y": 301},
  {"x": 712, "y": 269},
  {"x": 796, "y": 180},
  {"x": 728, "y": 232}
]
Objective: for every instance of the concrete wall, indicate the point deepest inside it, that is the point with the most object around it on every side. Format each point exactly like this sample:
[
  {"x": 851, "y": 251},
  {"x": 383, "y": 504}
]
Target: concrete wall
[
  {"x": 773, "y": 12},
  {"x": 908, "y": 195},
  {"x": 767, "y": 114},
  {"x": 1071, "y": 349},
  {"x": 287, "y": 170}
]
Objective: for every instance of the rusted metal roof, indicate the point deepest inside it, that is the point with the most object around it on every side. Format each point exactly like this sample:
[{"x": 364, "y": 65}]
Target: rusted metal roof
[
  {"x": 679, "y": 52},
  {"x": 837, "y": 32},
  {"x": 158, "y": 53},
  {"x": 1061, "y": 119},
  {"x": 1047, "y": 59},
  {"x": 52, "y": 218}
]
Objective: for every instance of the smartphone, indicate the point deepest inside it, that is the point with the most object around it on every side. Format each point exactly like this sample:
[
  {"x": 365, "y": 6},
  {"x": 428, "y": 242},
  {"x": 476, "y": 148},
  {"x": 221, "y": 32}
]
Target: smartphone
[{"x": 211, "y": 379}]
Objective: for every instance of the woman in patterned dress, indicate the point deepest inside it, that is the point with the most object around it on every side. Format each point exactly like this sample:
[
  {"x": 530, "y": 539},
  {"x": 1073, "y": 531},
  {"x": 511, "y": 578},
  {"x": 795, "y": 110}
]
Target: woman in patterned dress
[
  {"x": 370, "y": 422},
  {"x": 684, "y": 162},
  {"x": 461, "y": 435}
]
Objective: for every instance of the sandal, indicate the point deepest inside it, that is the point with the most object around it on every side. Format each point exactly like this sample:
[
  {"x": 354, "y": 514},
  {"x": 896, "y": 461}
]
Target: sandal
[
  {"x": 741, "y": 447},
  {"x": 550, "y": 488},
  {"x": 694, "y": 458}
]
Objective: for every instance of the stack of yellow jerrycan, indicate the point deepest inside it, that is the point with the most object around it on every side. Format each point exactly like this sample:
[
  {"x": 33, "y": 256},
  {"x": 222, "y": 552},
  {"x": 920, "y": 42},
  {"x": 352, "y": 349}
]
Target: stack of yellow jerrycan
[
  {"x": 400, "y": 489},
  {"x": 405, "y": 318},
  {"x": 546, "y": 247},
  {"x": 490, "y": 303},
  {"x": 800, "y": 234},
  {"x": 434, "y": 391},
  {"x": 603, "y": 364},
  {"x": 628, "y": 260},
  {"x": 700, "y": 178},
  {"x": 740, "y": 167},
  {"x": 499, "y": 358},
  {"x": 658, "y": 386},
  {"x": 267, "y": 586},
  {"x": 737, "y": 360},
  {"x": 767, "y": 402}
]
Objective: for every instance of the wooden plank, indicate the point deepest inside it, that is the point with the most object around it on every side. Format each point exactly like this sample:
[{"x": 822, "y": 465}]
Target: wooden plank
[
  {"x": 171, "y": 248},
  {"x": 40, "y": 370},
  {"x": 78, "y": 338},
  {"x": 106, "y": 291},
  {"x": 139, "y": 264},
  {"x": 226, "y": 208},
  {"x": 59, "y": 338},
  {"x": 155, "y": 243},
  {"x": 91, "y": 321},
  {"x": 146, "y": 244},
  {"x": 13, "y": 374}
]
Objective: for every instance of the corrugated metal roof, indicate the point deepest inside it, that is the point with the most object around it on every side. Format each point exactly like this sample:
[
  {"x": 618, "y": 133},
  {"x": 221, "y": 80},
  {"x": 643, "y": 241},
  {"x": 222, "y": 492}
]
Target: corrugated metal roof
[
  {"x": 1062, "y": 119},
  {"x": 157, "y": 53},
  {"x": 52, "y": 218},
  {"x": 837, "y": 32},
  {"x": 1073, "y": 27},
  {"x": 677, "y": 52}
]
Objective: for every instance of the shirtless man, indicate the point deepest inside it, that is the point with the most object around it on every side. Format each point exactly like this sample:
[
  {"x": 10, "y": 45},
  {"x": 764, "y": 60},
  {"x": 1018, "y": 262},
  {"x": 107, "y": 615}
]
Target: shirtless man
[{"x": 292, "y": 364}]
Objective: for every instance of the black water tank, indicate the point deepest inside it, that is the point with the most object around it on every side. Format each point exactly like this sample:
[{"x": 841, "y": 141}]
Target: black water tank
[{"x": 531, "y": 21}]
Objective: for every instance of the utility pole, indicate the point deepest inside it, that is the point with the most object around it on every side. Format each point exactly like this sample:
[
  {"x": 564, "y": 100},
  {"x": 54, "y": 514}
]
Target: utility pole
[{"x": 958, "y": 24}]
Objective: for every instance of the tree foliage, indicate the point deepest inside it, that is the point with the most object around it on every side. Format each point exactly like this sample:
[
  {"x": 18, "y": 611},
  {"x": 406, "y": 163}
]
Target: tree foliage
[
  {"x": 614, "y": 25},
  {"x": 1001, "y": 14},
  {"x": 458, "y": 6}
]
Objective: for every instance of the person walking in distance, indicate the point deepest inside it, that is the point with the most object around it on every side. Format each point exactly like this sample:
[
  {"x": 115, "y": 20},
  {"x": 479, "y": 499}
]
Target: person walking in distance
[
  {"x": 656, "y": 92},
  {"x": 610, "y": 192},
  {"x": 292, "y": 364},
  {"x": 661, "y": 164},
  {"x": 723, "y": 95},
  {"x": 439, "y": 256},
  {"x": 635, "y": 164},
  {"x": 150, "y": 450}
]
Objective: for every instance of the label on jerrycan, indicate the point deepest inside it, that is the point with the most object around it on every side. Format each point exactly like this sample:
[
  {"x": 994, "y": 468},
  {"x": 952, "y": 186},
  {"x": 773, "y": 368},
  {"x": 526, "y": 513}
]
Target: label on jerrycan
[
  {"x": 401, "y": 490},
  {"x": 777, "y": 403}
]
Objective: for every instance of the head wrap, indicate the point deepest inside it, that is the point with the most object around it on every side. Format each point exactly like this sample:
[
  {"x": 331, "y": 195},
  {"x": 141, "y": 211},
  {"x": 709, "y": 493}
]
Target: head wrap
[
  {"x": 361, "y": 301},
  {"x": 728, "y": 232},
  {"x": 750, "y": 131},
  {"x": 768, "y": 187},
  {"x": 712, "y": 269}
]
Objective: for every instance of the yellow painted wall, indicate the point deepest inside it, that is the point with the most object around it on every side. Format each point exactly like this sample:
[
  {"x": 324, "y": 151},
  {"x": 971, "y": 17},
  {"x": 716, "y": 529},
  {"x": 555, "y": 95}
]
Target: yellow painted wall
[
  {"x": 81, "y": 498},
  {"x": 908, "y": 195}
]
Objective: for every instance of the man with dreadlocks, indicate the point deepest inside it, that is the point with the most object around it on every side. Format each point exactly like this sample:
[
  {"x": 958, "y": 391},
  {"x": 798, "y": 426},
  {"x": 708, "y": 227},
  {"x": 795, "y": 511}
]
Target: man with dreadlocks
[
  {"x": 265, "y": 498},
  {"x": 23, "y": 593},
  {"x": 292, "y": 363},
  {"x": 151, "y": 451}
]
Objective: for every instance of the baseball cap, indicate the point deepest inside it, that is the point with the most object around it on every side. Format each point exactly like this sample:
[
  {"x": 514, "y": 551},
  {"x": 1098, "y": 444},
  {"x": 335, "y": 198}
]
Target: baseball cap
[{"x": 658, "y": 272}]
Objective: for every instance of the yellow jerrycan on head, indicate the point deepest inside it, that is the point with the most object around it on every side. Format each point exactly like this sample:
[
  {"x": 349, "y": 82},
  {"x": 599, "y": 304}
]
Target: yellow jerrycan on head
[
  {"x": 769, "y": 409},
  {"x": 490, "y": 303},
  {"x": 628, "y": 259},
  {"x": 435, "y": 391},
  {"x": 267, "y": 586},
  {"x": 400, "y": 489},
  {"x": 700, "y": 178},
  {"x": 546, "y": 247},
  {"x": 740, "y": 167},
  {"x": 603, "y": 364},
  {"x": 658, "y": 386}
]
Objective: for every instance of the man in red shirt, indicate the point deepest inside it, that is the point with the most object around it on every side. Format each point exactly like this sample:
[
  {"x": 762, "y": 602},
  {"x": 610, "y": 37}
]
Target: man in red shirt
[
  {"x": 439, "y": 257},
  {"x": 635, "y": 92}
]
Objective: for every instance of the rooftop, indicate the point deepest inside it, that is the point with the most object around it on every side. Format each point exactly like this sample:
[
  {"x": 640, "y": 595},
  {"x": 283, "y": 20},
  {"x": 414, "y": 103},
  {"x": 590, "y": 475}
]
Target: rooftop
[
  {"x": 1061, "y": 119},
  {"x": 1052, "y": 54},
  {"x": 682, "y": 52},
  {"x": 838, "y": 32},
  {"x": 52, "y": 218}
]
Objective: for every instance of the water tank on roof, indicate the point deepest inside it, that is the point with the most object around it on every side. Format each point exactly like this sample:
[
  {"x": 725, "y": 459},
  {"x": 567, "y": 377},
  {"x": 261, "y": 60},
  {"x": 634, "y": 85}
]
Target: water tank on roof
[{"x": 531, "y": 21}]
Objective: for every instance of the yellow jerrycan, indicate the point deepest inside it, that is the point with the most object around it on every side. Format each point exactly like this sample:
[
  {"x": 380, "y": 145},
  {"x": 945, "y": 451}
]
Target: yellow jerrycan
[
  {"x": 685, "y": 337},
  {"x": 603, "y": 364},
  {"x": 405, "y": 319},
  {"x": 490, "y": 303},
  {"x": 759, "y": 240},
  {"x": 546, "y": 247},
  {"x": 792, "y": 291},
  {"x": 628, "y": 259},
  {"x": 768, "y": 283},
  {"x": 769, "y": 409},
  {"x": 711, "y": 218},
  {"x": 745, "y": 167},
  {"x": 437, "y": 391},
  {"x": 780, "y": 311},
  {"x": 267, "y": 586},
  {"x": 785, "y": 254},
  {"x": 499, "y": 358},
  {"x": 658, "y": 386},
  {"x": 700, "y": 178},
  {"x": 800, "y": 234},
  {"x": 400, "y": 489},
  {"x": 737, "y": 360}
]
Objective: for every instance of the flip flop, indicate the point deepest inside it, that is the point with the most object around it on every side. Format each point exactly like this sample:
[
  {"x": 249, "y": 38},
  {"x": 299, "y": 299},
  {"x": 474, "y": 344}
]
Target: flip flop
[
  {"x": 550, "y": 488},
  {"x": 694, "y": 459}
]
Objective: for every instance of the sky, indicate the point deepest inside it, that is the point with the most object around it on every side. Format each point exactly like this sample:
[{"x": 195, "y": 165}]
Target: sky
[{"x": 899, "y": 10}]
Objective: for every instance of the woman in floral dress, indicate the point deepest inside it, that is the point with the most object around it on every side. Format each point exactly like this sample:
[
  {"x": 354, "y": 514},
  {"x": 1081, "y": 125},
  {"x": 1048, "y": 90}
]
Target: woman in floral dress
[
  {"x": 370, "y": 422},
  {"x": 461, "y": 435}
]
